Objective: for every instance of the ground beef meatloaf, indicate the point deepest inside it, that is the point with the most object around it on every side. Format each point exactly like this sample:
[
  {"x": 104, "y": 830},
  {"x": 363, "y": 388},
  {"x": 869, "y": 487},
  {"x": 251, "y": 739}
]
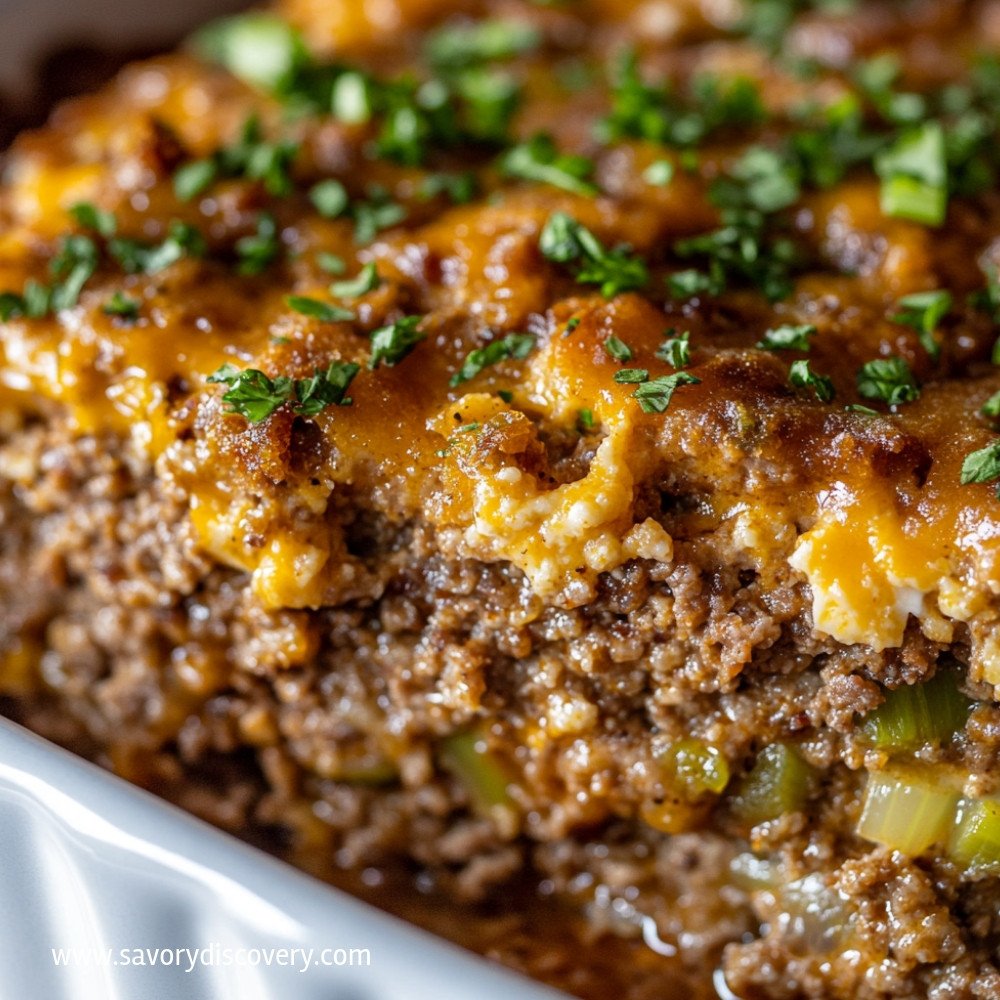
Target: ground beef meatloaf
[{"x": 537, "y": 460}]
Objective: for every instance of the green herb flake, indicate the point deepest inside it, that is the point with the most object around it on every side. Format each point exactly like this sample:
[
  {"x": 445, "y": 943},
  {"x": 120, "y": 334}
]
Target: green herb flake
[
  {"x": 460, "y": 45},
  {"x": 330, "y": 262},
  {"x": 676, "y": 349},
  {"x": 802, "y": 376},
  {"x": 914, "y": 172},
  {"x": 654, "y": 396},
  {"x": 991, "y": 408},
  {"x": 182, "y": 240},
  {"x": 459, "y": 189},
  {"x": 316, "y": 309},
  {"x": 260, "y": 48},
  {"x": 631, "y": 376},
  {"x": 366, "y": 281},
  {"x": 585, "y": 419},
  {"x": 659, "y": 173},
  {"x": 983, "y": 465},
  {"x": 516, "y": 346},
  {"x": 923, "y": 311},
  {"x": 329, "y": 198},
  {"x": 258, "y": 251},
  {"x": 89, "y": 216},
  {"x": 194, "y": 178},
  {"x": 889, "y": 380},
  {"x": 566, "y": 241},
  {"x": 351, "y": 99},
  {"x": 393, "y": 342},
  {"x": 256, "y": 396},
  {"x": 122, "y": 306},
  {"x": 539, "y": 160},
  {"x": 617, "y": 349},
  {"x": 787, "y": 338},
  {"x": 371, "y": 217}
]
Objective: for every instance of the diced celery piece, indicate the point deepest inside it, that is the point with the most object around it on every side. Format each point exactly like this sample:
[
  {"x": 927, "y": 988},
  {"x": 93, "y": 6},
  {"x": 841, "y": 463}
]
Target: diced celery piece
[
  {"x": 906, "y": 810},
  {"x": 258, "y": 47},
  {"x": 373, "y": 772},
  {"x": 917, "y": 714},
  {"x": 696, "y": 768},
  {"x": 694, "y": 773},
  {"x": 482, "y": 773},
  {"x": 778, "y": 783},
  {"x": 976, "y": 840}
]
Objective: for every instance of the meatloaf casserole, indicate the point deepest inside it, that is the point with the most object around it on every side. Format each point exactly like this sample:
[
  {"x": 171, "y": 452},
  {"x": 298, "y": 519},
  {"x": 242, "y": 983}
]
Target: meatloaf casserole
[{"x": 535, "y": 463}]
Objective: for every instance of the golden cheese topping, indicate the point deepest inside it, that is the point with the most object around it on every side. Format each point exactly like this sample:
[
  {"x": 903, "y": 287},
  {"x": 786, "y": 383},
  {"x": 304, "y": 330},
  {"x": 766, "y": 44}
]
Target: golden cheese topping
[{"x": 531, "y": 230}]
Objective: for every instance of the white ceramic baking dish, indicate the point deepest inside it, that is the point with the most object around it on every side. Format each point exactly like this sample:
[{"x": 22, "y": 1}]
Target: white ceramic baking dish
[{"x": 109, "y": 893}]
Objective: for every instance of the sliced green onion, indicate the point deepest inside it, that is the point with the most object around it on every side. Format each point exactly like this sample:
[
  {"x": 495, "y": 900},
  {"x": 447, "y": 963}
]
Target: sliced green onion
[
  {"x": 906, "y": 810},
  {"x": 976, "y": 839},
  {"x": 778, "y": 783},
  {"x": 916, "y": 714}
]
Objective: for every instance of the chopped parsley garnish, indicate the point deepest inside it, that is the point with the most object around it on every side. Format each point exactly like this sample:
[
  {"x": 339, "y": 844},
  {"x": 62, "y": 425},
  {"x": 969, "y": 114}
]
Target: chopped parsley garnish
[
  {"x": 371, "y": 217},
  {"x": 914, "y": 172},
  {"x": 987, "y": 300},
  {"x": 640, "y": 110},
  {"x": 256, "y": 252},
  {"x": 256, "y": 396},
  {"x": 688, "y": 283},
  {"x": 923, "y": 311},
  {"x": 91, "y": 217},
  {"x": 617, "y": 349},
  {"x": 655, "y": 396},
  {"x": 317, "y": 309},
  {"x": 983, "y": 465},
  {"x": 741, "y": 251},
  {"x": 769, "y": 182},
  {"x": 676, "y": 349},
  {"x": 460, "y": 189},
  {"x": 787, "y": 337},
  {"x": 585, "y": 419},
  {"x": 392, "y": 343},
  {"x": 366, "y": 281},
  {"x": 249, "y": 157},
  {"x": 329, "y": 198},
  {"x": 566, "y": 241},
  {"x": 73, "y": 267},
  {"x": 659, "y": 173},
  {"x": 888, "y": 379},
  {"x": 991, "y": 408},
  {"x": 514, "y": 345},
  {"x": 802, "y": 376},
  {"x": 330, "y": 262},
  {"x": 194, "y": 178},
  {"x": 631, "y": 376},
  {"x": 122, "y": 306},
  {"x": 864, "y": 411},
  {"x": 182, "y": 240},
  {"x": 571, "y": 325},
  {"x": 261, "y": 49},
  {"x": 538, "y": 159},
  {"x": 461, "y": 45}
]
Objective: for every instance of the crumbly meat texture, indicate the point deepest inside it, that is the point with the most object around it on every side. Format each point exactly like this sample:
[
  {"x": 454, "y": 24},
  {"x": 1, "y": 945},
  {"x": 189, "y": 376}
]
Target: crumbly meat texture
[{"x": 289, "y": 625}]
